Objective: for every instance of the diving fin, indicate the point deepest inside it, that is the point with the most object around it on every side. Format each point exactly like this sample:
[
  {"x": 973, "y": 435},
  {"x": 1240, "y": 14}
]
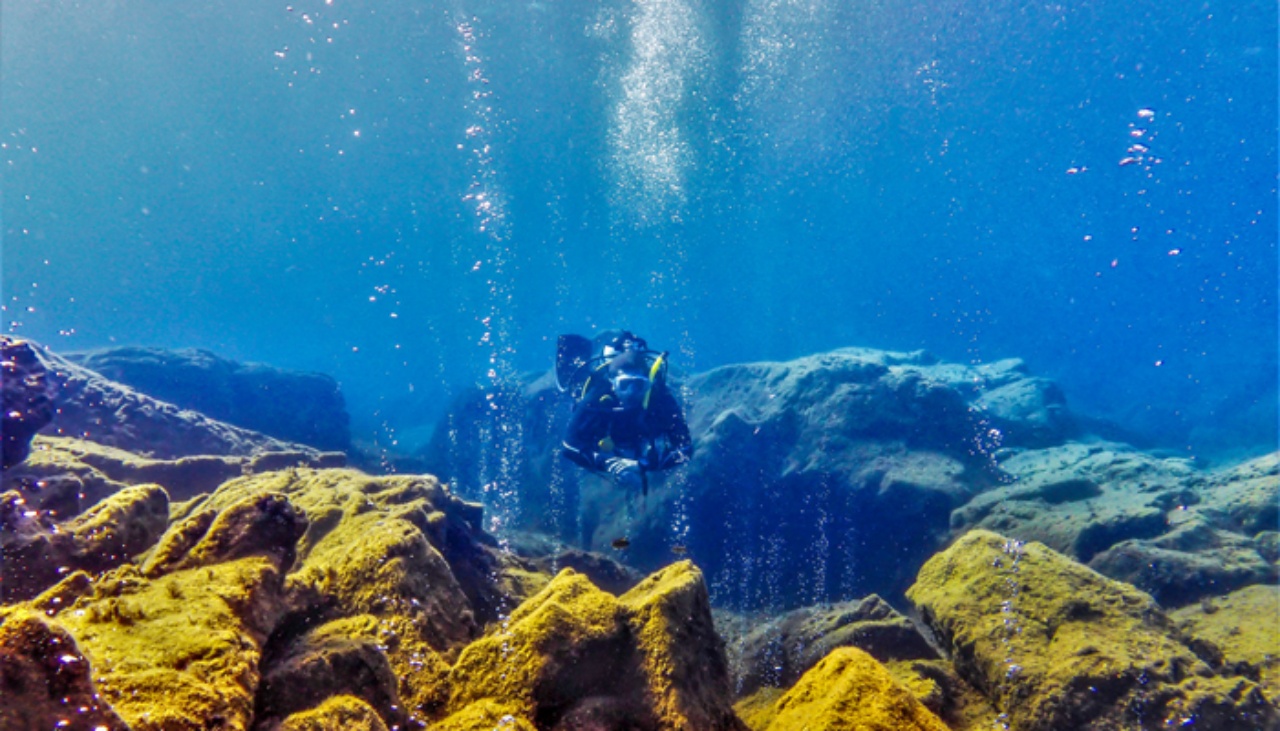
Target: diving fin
[{"x": 572, "y": 353}]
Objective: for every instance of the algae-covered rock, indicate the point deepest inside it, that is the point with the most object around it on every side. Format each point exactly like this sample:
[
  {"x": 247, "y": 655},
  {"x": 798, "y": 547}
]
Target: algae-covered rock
[
  {"x": 1056, "y": 645},
  {"x": 939, "y": 688},
  {"x": 96, "y": 471},
  {"x": 778, "y": 652},
  {"x": 394, "y": 566},
  {"x": 41, "y": 665},
  {"x": 485, "y": 715},
  {"x": 1242, "y": 630},
  {"x": 1246, "y": 497},
  {"x": 36, "y": 552},
  {"x": 681, "y": 658},
  {"x": 180, "y": 651},
  {"x": 339, "y": 713},
  {"x": 573, "y": 656},
  {"x": 351, "y": 658},
  {"x": 266, "y": 525},
  {"x": 847, "y": 690},
  {"x": 1191, "y": 561},
  {"x": 1081, "y": 499},
  {"x": 564, "y": 643}
]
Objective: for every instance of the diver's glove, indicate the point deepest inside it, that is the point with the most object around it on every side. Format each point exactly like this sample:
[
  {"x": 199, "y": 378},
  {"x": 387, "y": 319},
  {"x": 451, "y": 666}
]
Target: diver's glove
[
  {"x": 673, "y": 459},
  {"x": 625, "y": 472}
]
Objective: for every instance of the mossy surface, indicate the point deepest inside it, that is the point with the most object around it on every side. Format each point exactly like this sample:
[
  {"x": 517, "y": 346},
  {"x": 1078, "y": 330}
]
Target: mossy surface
[
  {"x": 1244, "y": 626},
  {"x": 1057, "y": 645},
  {"x": 757, "y": 710},
  {"x": 578, "y": 656},
  {"x": 564, "y": 642},
  {"x": 180, "y": 651},
  {"x": 681, "y": 657},
  {"x": 850, "y": 691},
  {"x": 485, "y": 715},
  {"x": 936, "y": 684},
  {"x": 338, "y": 713}
]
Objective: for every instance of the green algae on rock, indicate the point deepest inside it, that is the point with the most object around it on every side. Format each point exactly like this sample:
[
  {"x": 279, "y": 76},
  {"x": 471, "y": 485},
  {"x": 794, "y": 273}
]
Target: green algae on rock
[
  {"x": 1056, "y": 645},
  {"x": 848, "y": 690}
]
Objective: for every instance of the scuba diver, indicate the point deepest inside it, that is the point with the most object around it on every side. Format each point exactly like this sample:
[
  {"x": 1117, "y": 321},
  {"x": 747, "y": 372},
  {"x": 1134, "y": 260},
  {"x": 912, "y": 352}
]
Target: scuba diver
[{"x": 626, "y": 423}]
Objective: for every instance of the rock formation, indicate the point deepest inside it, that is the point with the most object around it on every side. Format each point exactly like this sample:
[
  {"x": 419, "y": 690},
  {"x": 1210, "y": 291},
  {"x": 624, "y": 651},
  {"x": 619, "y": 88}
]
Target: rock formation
[
  {"x": 259, "y": 589},
  {"x": 28, "y": 397},
  {"x": 294, "y": 406},
  {"x": 1056, "y": 645},
  {"x": 1161, "y": 524},
  {"x": 843, "y": 447},
  {"x": 90, "y": 406}
]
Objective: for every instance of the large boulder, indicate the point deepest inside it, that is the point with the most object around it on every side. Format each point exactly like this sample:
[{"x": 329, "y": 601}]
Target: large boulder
[
  {"x": 294, "y": 406},
  {"x": 1056, "y": 645}
]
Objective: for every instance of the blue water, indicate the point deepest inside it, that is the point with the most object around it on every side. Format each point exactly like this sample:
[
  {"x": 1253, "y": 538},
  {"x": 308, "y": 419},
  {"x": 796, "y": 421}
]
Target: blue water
[{"x": 417, "y": 196}]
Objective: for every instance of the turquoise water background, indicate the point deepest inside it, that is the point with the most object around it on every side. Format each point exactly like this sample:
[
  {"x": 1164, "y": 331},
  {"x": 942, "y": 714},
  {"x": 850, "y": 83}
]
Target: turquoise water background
[{"x": 418, "y": 196}]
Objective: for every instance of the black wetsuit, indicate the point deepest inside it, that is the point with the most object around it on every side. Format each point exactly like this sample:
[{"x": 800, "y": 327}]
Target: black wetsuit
[{"x": 657, "y": 437}]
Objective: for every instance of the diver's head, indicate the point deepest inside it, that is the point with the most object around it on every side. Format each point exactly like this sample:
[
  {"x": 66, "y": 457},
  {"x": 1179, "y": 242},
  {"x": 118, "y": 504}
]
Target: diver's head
[
  {"x": 630, "y": 379},
  {"x": 621, "y": 343}
]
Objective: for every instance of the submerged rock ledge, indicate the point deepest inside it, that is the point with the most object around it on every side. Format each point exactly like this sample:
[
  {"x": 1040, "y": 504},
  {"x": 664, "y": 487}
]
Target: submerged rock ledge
[{"x": 260, "y": 589}]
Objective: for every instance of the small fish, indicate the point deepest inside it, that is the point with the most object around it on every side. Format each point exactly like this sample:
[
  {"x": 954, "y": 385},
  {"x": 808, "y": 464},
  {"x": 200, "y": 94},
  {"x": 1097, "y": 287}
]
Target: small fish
[
  {"x": 621, "y": 543},
  {"x": 1129, "y": 161},
  {"x": 679, "y": 550}
]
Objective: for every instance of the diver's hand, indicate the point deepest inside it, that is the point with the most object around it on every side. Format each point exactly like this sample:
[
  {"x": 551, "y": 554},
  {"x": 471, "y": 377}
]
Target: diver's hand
[{"x": 625, "y": 472}]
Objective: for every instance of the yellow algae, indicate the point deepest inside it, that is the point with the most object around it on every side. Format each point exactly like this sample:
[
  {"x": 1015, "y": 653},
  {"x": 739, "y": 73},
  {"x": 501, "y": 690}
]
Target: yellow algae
[
  {"x": 1245, "y": 627},
  {"x": 850, "y": 691},
  {"x": 338, "y": 713},
  {"x": 485, "y": 715},
  {"x": 181, "y": 651},
  {"x": 1056, "y": 645},
  {"x": 371, "y": 545},
  {"x": 556, "y": 646},
  {"x": 378, "y": 659},
  {"x": 757, "y": 710},
  {"x": 107, "y": 535},
  {"x": 681, "y": 658},
  {"x": 935, "y": 684},
  {"x": 370, "y": 563}
]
